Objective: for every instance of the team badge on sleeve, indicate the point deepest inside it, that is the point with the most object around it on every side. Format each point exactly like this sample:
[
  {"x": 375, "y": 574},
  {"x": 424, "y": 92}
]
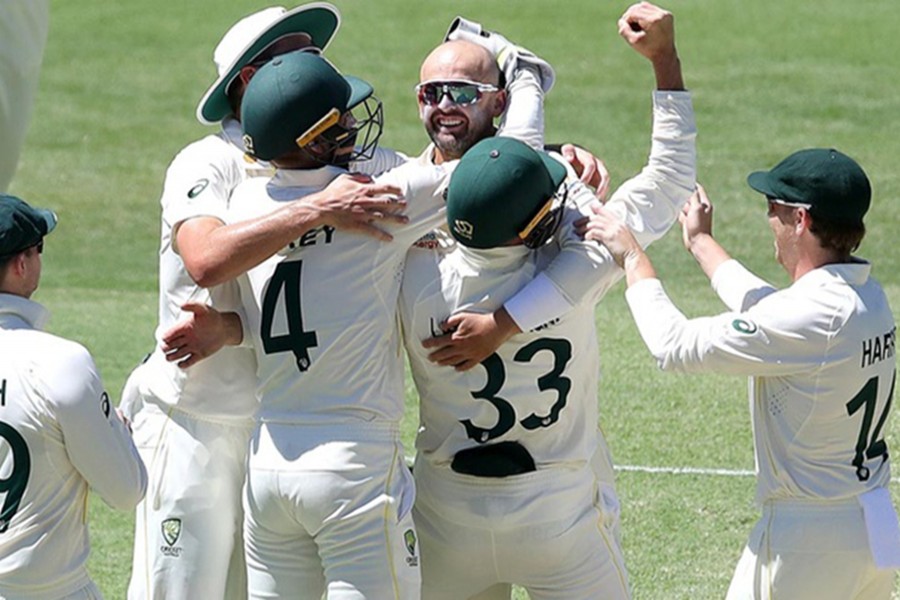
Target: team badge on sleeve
[{"x": 744, "y": 326}]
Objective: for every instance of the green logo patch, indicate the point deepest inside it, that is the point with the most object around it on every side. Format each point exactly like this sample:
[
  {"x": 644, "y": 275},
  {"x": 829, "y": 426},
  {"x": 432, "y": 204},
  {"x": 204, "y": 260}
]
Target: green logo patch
[{"x": 743, "y": 326}]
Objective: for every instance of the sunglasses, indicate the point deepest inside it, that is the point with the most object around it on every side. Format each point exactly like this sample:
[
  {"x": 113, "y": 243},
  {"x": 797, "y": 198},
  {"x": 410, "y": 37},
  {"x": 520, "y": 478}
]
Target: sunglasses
[
  {"x": 786, "y": 203},
  {"x": 461, "y": 92}
]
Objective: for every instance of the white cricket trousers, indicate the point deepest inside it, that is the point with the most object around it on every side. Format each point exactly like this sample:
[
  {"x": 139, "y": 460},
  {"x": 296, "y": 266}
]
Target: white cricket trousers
[
  {"x": 548, "y": 531},
  {"x": 807, "y": 550},
  {"x": 328, "y": 509},
  {"x": 23, "y": 35},
  {"x": 187, "y": 542}
]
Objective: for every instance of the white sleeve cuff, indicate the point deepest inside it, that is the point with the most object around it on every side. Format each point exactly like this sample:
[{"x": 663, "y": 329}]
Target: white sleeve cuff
[{"x": 537, "y": 303}]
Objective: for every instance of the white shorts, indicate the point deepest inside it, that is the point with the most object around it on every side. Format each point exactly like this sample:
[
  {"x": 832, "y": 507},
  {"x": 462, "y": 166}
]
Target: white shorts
[
  {"x": 187, "y": 541},
  {"x": 809, "y": 551},
  {"x": 546, "y": 531},
  {"x": 328, "y": 509}
]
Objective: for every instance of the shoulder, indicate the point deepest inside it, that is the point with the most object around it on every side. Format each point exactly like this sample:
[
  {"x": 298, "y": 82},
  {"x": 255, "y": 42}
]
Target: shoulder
[
  {"x": 55, "y": 366},
  {"x": 413, "y": 176}
]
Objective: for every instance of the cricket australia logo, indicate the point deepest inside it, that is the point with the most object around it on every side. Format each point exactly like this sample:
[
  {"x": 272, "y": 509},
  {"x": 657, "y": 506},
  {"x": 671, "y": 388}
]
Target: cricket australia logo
[
  {"x": 409, "y": 539},
  {"x": 171, "y": 530},
  {"x": 463, "y": 228}
]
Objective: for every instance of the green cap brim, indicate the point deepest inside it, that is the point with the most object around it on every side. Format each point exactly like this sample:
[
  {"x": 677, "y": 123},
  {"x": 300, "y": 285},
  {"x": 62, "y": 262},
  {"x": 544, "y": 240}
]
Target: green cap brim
[
  {"x": 759, "y": 181},
  {"x": 554, "y": 167},
  {"x": 49, "y": 217},
  {"x": 319, "y": 21},
  {"x": 359, "y": 90}
]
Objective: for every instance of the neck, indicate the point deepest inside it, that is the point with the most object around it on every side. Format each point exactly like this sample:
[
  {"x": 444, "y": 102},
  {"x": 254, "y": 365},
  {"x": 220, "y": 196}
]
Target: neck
[{"x": 814, "y": 260}]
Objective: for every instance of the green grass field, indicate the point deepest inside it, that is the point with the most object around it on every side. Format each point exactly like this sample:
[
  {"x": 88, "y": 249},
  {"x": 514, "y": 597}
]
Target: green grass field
[{"x": 118, "y": 91}]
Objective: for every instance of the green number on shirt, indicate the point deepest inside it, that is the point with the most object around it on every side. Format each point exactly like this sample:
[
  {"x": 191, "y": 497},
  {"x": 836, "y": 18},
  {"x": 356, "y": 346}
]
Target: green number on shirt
[
  {"x": 286, "y": 277},
  {"x": 496, "y": 372},
  {"x": 14, "y": 485},
  {"x": 867, "y": 398}
]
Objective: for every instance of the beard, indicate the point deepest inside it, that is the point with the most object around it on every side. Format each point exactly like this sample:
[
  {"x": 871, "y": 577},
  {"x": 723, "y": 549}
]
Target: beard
[{"x": 453, "y": 144}]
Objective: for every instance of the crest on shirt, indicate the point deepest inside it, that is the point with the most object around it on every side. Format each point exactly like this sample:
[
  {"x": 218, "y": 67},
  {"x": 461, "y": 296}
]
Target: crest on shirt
[
  {"x": 744, "y": 326},
  {"x": 409, "y": 540},
  {"x": 198, "y": 188},
  {"x": 171, "y": 530}
]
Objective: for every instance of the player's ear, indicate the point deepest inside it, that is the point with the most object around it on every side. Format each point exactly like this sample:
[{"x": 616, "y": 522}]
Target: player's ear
[
  {"x": 499, "y": 103},
  {"x": 246, "y": 74},
  {"x": 802, "y": 220}
]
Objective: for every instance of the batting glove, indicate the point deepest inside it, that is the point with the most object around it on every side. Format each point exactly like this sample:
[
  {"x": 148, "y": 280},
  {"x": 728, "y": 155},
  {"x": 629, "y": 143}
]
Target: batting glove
[{"x": 509, "y": 56}]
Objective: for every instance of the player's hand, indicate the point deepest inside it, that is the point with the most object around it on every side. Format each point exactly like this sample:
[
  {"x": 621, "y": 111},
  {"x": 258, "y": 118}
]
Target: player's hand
[
  {"x": 353, "y": 202},
  {"x": 605, "y": 227},
  {"x": 203, "y": 333},
  {"x": 470, "y": 338},
  {"x": 696, "y": 218},
  {"x": 125, "y": 420},
  {"x": 650, "y": 30},
  {"x": 589, "y": 169}
]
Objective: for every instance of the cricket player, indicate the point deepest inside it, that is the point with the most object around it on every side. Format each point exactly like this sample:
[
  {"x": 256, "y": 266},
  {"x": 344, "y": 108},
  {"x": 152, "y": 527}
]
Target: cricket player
[
  {"x": 23, "y": 36},
  {"x": 192, "y": 426},
  {"x": 820, "y": 356},
  {"x": 328, "y": 497},
  {"x": 59, "y": 434},
  {"x": 506, "y": 452}
]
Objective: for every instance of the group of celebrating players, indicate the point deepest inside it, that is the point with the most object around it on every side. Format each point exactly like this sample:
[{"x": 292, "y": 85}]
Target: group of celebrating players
[{"x": 300, "y": 262}]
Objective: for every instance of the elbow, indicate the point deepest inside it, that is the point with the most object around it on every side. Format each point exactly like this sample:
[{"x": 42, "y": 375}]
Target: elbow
[
  {"x": 204, "y": 274},
  {"x": 131, "y": 491}
]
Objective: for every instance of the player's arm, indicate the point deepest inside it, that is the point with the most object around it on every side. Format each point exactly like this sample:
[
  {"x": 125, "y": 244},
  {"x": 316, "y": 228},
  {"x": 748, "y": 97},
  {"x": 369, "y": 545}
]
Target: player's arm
[
  {"x": 214, "y": 252},
  {"x": 201, "y": 334},
  {"x": 736, "y": 286},
  {"x": 777, "y": 337},
  {"x": 97, "y": 439}
]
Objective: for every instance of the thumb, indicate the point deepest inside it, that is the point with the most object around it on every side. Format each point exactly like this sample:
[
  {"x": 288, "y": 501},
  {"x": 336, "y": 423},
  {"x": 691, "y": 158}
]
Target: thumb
[{"x": 196, "y": 308}]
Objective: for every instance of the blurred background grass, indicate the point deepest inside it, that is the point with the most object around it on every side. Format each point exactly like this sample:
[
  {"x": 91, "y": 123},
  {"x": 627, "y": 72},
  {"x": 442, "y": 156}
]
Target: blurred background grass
[{"x": 118, "y": 91}]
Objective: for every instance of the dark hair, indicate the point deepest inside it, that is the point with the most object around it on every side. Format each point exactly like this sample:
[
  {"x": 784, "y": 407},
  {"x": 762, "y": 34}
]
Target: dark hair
[{"x": 840, "y": 237}]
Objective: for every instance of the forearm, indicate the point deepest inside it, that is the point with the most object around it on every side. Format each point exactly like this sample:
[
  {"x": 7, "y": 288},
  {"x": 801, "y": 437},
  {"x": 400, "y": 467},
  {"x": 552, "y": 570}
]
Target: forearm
[
  {"x": 708, "y": 253},
  {"x": 667, "y": 70},
  {"x": 638, "y": 267},
  {"x": 214, "y": 254}
]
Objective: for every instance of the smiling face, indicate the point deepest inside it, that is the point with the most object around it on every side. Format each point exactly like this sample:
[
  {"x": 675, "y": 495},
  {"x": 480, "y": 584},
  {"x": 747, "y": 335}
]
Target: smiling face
[{"x": 454, "y": 128}]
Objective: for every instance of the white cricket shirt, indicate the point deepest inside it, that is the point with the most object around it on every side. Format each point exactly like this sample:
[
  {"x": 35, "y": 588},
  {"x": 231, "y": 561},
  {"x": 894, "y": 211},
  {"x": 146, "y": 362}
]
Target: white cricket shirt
[
  {"x": 59, "y": 435},
  {"x": 820, "y": 356},
  {"x": 323, "y": 310}
]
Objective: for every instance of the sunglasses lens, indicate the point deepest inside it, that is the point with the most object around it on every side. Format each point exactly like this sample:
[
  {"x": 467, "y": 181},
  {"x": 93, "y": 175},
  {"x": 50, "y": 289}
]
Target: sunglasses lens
[
  {"x": 459, "y": 93},
  {"x": 463, "y": 94}
]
